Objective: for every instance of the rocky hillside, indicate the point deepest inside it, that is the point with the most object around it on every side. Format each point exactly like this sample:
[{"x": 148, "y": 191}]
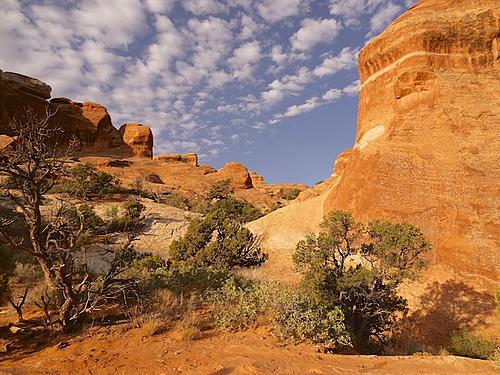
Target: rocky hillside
[
  {"x": 427, "y": 144},
  {"x": 126, "y": 153}
]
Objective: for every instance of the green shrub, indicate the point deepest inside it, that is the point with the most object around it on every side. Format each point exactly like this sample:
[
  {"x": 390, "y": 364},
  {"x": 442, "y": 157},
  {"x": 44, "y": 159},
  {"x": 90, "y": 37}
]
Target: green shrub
[
  {"x": 496, "y": 358},
  {"x": 130, "y": 219},
  {"x": 87, "y": 182},
  {"x": 359, "y": 269},
  {"x": 85, "y": 215},
  {"x": 241, "y": 304},
  {"x": 463, "y": 343},
  {"x": 175, "y": 200},
  {"x": 238, "y": 304},
  {"x": 299, "y": 318},
  {"x": 289, "y": 194},
  {"x": 219, "y": 242},
  {"x": 237, "y": 210},
  {"x": 220, "y": 190}
]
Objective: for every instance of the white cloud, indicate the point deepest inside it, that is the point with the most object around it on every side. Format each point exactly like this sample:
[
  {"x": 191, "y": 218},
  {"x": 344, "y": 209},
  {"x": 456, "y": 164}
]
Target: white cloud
[
  {"x": 203, "y": 7},
  {"x": 352, "y": 89},
  {"x": 314, "y": 32},
  {"x": 346, "y": 59},
  {"x": 114, "y": 22},
  {"x": 383, "y": 17},
  {"x": 160, "y": 6},
  {"x": 288, "y": 85},
  {"x": 351, "y": 11},
  {"x": 332, "y": 95},
  {"x": 276, "y": 10},
  {"x": 248, "y": 27},
  {"x": 244, "y": 59},
  {"x": 315, "y": 102}
]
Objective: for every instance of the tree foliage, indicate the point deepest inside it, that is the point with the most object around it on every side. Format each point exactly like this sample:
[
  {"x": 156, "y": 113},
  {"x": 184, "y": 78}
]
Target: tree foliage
[
  {"x": 87, "y": 182},
  {"x": 218, "y": 241},
  {"x": 359, "y": 269},
  {"x": 220, "y": 190}
]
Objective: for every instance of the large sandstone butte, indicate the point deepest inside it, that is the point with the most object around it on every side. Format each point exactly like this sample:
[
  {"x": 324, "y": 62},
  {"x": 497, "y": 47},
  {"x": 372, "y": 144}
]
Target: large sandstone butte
[{"x": 427, "y": 146}]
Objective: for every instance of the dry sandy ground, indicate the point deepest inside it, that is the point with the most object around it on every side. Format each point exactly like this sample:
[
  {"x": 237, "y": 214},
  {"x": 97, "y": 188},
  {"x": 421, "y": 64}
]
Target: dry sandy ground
[{"x": 118, "y": 350}]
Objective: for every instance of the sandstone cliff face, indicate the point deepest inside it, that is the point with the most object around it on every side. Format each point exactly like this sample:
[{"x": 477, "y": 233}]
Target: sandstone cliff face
[
  {"x": 139, "y": 138},
  {"x": 427, "y": 147}
]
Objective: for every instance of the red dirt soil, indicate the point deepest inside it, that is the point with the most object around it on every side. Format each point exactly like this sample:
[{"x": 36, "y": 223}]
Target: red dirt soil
[{"x": 120, "y": 350}]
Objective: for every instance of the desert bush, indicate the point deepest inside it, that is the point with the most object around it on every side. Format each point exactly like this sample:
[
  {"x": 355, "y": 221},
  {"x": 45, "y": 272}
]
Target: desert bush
[
  {"x": 240, "y": 304},
  {"x": 289, "y": 194},
  {"x": 465, "y": 344},
  {"x": 87, "y": 182},
  {"x": 496, "y": 358},
  {"x": 85, "y": 215},
  {"x": 300, "y": 318},
  {"x": 220, "y": 190},
  {"x": 359, "y": 269},
  {"x": 131, "y": 217},
  {"x": 175, "y": 200},
  {"x": 219, "y": 242},
  {"x": 236, "y": 210}
]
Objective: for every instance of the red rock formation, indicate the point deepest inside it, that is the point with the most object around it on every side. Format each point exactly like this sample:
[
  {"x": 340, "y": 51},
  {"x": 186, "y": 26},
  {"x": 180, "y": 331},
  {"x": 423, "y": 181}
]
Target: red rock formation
[
  {"x": 257, "y": 180},
  {"x": 427, "y": 144},
  {"x": 190, "y": 159},
  {"x": 237, "y": 173},
  {"x": 139, "y": 138},
  {"x": 88, "y": 122}
]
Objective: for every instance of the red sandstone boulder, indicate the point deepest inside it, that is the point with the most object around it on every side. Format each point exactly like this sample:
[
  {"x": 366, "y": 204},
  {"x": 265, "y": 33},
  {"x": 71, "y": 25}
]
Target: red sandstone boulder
[
  {"x": 237, "y": 173},
  {"x": 139, "y": 138}
]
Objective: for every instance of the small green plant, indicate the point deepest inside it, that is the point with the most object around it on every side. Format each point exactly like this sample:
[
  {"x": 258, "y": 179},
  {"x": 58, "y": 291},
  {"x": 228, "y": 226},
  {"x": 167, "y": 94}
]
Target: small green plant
[
  {"x": 132, "y": 217},
  {"x": 175, "y": 200},
  {"x": 465, "y": 344},
  {"x": 87, "y": 182},
  {"x": 241, "y": 304},
  {"x": 220, "y": 190},
  {"x": 217, "y": 241},
  {"x": 85, "y": 216},
  {"x": 359, "y": 268},
  {"x": 289, "y": 194},
  {"x": 496, "y": 358}
]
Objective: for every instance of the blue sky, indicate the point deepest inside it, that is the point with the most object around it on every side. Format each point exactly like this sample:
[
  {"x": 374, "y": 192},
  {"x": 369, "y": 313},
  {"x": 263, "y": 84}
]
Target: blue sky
[{"x": 270, "y": 83}]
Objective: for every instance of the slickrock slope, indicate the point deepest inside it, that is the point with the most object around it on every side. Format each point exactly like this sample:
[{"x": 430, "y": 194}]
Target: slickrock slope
[{"x": 428, "y": 147}]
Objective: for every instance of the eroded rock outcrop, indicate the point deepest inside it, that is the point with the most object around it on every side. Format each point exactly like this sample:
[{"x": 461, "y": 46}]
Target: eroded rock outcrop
[
  {"x": 189, "y": 159},
  {"x": 427, "y": 144},
  {"x": 139, "y": 138},
  {"x": 89, "y": 123},
  {"x": 237, "y": 173}
]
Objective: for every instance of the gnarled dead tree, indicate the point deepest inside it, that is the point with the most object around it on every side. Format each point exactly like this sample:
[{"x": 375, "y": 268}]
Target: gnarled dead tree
[{"x": 32, "y": 167}]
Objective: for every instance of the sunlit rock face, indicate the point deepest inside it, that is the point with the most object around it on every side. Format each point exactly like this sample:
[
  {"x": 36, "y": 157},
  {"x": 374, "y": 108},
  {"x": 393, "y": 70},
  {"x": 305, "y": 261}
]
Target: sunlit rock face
[
  {"x": 428, "y": 144},
  {"x": 89, "y": 124},
  {"x": 139, "y": 138}
]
